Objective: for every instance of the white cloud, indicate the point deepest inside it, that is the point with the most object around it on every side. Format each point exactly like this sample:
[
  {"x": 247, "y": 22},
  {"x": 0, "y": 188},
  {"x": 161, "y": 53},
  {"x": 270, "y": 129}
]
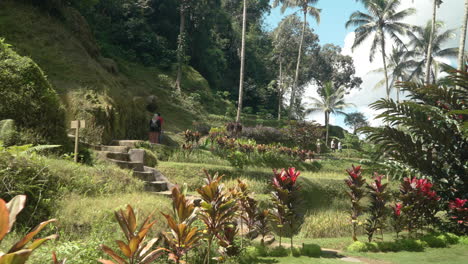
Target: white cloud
[{"x": 451, "y": 12}]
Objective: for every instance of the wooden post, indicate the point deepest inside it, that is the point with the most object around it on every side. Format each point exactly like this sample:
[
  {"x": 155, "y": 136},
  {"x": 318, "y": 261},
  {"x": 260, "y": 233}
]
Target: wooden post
[{"x": 77, "y": 124}]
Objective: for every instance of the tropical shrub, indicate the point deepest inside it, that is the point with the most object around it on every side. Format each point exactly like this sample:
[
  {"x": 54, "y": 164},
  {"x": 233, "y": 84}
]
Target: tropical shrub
[
  {"x": 137, "y": 250},
  {"x": 435, "y": 241},
  {"x": 8, "y": 133},
  {"x": 423, "y": 133},
  {"x": 458, "y": 212},
  {"x": 357, "y": 246},
  {"x": 278, "y": 251},
  {"x": 262, "y": 225},
  {"x": 182, "y": 237},
  {"x": 398, "y": 220},
  {"x": 217, "y": 210},
  {"x": 263, "y": 134},
  {"x": 32, "y": 102},
  {"x": 377, "y": 211},
  {"x": 420, "y": 203},
  {"x": 285, "y": 198},
  {"x": 19, "y": 252},
  {"x": 355, "y": 183}
]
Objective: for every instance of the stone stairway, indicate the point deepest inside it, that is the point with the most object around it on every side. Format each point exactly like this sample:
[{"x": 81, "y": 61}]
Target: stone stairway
[{"x": 124, "y": 154}]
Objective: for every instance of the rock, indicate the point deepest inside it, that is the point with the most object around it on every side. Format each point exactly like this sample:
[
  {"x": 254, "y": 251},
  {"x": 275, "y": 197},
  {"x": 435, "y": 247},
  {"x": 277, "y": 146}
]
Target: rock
[{"x": 269, "y": 239}]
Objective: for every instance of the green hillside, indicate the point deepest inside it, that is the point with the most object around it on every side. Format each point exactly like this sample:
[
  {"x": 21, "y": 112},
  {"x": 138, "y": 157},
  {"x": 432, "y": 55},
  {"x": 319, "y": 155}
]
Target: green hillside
[{"x": 114, "y": 96}]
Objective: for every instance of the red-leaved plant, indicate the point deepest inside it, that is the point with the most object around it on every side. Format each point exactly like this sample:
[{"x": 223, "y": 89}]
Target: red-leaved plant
[
  {"x": 285, "y": 199},
  {"x": 355, "y": 183},
  {"x": 377, "y": 210},
  {"x": 458, "y": 211},
  {"x": 398, "y": 221},
  {"x": 420, "y": 203}
]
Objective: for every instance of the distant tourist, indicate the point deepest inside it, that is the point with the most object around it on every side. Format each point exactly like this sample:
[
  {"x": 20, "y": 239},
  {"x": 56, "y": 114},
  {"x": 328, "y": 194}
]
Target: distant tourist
[
  {"x": 154, "y": 129},
  {"x": 333, "y": 145},
  {"x": 339, "y": 146},
  {"x": 161, "y": 121},
  {"x": 318, "y": 146}
]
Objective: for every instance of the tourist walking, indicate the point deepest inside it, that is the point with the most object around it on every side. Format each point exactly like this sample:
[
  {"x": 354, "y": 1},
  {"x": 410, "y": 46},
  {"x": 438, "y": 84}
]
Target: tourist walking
[
  {"x": 154, "y": 129},
  {"x": 339, "y": 146},
  {"x": 332, "y": 145},
  {"x": 161, "y": 121},
  {"x": 318, "y": 146}
]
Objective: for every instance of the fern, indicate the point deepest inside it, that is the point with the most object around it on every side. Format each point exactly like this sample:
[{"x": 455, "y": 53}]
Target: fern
[{"x": 8, "y": 134}]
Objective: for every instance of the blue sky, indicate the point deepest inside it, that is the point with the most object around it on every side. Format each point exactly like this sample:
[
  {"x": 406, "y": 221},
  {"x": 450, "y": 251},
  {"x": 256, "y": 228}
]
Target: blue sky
[{"x": 333, "y": 18}]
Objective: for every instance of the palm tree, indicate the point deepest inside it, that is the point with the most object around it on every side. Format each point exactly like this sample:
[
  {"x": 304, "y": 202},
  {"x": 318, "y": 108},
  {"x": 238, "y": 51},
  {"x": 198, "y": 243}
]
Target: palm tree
[
  {"x": 183, "y": 6},
  {"x": 399, "y": 67},
  {"x": 330, "y": 102},
  {"x": 419, "y": 42},
  {"x": 241, "y": 81},
  {"x": 435, "y": 5},
  {"x": 461, "y": 48},
  {"x": 306, "y": 8},
  {"x": 382, "y": 20}
]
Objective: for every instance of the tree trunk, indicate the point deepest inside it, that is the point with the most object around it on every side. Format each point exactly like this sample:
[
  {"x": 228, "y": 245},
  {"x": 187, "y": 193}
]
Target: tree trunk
[
  {"x": 241, "y": 81},
  {"x": 429, "y": 48},
  {"x": 180, "y": 48},
  {"x": 327, "y": 116},
  {"x": 280, "y": 88},
  {"x": 296, "y": 76},
  {"x": 461, "y": 48},
  {"x": 382, "y": 46}
]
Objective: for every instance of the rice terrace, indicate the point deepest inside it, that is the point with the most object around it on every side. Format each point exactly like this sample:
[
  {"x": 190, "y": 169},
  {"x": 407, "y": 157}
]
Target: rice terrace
[{"x": 233, "y": 131}]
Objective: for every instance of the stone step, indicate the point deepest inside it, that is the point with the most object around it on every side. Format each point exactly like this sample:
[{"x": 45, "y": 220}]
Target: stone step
[
  {"x": 118, "y": 156},
  {"x": 121, "y": 149},
  {"x": 144, "y": 175},
  {"x": 156, "y": 186},
  {"x": 126, "y": 143},
  {"x": 136, "y": 166}
]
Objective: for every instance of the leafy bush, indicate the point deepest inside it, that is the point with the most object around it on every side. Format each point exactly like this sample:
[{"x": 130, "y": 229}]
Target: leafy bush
[
  {"x": 32, "y": 102},
  {"x": 151, "y": 160},
  {"x": 451, "y": 238},
  {"x": 463, "y": 240},
  {"x": 411, "y": 245},
  {"x": 296, "y": 252},
  {"x": 263, "y": 134},
  {"x": 357, "y": 246},
  {"x": 278, "y": 251},
  {"x": 311, "y": 250},
  {"x": 8, "y": 133},
  {"x": 435, "y": 241},
  {"x": 388, "y": 246},
  {"x": 372, "y": 246}
]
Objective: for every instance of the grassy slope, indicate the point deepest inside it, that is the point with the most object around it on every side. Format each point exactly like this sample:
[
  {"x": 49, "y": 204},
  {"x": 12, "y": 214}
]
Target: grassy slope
[{"x": 77, "y": 75}]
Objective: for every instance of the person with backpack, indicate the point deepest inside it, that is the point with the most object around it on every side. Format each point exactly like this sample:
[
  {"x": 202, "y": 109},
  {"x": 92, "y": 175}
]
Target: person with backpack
[
  {"x": 154, "y": 129},
  {"x": 161, "y": 121}
]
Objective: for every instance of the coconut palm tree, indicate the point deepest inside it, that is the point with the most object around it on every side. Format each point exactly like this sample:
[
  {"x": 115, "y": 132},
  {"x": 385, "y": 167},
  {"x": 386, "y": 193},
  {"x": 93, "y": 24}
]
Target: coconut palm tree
[
  {"x": 399, "y": 68},
  {"x": 435, "y": 5},
  {"x": 418, "y": 45},
  {"x": 184, "y": 5},
  {"x": 307, "y": 9},
  {"x": 331, "y": 101},
  {"x": 241, "y": 81},
  {"x": 461, "y": 48},
  {"x": 383, "y": 20}
]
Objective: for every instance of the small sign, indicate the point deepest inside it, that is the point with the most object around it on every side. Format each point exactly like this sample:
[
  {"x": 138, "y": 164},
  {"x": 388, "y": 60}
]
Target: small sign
[{"x": 74, "y": 124}]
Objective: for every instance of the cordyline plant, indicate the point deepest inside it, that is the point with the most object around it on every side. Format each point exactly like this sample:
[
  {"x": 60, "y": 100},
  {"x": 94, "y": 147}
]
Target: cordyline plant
[
  {"x": 55, "y": 260},
  {"x": 182, "y": 237},
  {"x": 355, "y": 182},
  {"x": 420, "y": 203},
  {"x": 247, "y": 206},
  {"x": 19, "y": 252},
  {"x": 136, "y": 250},
  {"x": 458, "y": 212},
  {"x": 217, "y": 210},
  {"x": 377, "y": 210},
  {"x": 285, "y": 199},
  {"x": 398, "y": 220},
  {"x": 262, "y": 224}
]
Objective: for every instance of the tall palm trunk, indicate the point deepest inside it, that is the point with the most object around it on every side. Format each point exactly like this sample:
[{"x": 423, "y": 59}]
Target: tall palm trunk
[
  {"x": 180, "y": 48},
  {"x": 429, "y": 48},
  {"x": 461, "y": 48},
  {"x": 241, "y": 81},
  {"x": 382, "y": 46},
  {"x": 327, "y": 116},
  {"x": 296, "y": 76},
  {"x": 280, "y": 88}
]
